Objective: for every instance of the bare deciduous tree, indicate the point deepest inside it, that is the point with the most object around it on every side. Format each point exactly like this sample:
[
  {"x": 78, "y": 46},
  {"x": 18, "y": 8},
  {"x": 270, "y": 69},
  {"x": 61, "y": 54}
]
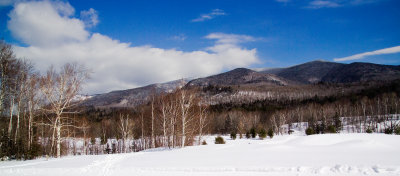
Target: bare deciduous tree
[
  {"x": 59, "y": 89},
  {"x": 185, "y": 100},
  {"x": 125, "y": 127},
  {"x": 202, "y": 120}
]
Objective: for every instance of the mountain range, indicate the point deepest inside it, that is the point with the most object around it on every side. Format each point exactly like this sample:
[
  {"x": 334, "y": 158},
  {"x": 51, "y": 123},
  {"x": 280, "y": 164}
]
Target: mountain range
[{"x": 306, "y": 73}]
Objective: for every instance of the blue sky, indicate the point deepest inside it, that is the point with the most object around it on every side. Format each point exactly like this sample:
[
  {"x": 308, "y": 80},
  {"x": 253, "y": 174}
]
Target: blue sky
[{"x": 275, "y": 33}]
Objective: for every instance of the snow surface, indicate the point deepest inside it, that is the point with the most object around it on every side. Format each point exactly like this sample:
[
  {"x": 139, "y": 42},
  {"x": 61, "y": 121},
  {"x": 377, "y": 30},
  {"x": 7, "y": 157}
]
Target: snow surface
[
  {"x": 328, "y": 154},
  {"x": 81, "y": 98}
]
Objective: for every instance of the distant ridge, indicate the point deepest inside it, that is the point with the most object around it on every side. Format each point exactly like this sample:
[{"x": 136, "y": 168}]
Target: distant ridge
[
  {"x": 239, "y": 76},
  {"x": 362, "y": 72},
  {"x": 133, "y": 97},
  {"x": 308, "y": 73}
]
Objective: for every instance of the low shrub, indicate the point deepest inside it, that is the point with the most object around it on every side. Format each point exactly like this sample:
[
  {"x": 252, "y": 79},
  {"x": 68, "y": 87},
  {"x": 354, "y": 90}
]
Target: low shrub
[
  {"x": 219, "y": 140},
  {"x": 331, "y": 129},
  {"x": 34, "y": 152},
  {"x": 262, "y": 134},
  {"x": 271, "y": 133},
  {"x": 248, "y": 135},
  {"x": 397, "y": 130},
  {"x": 310, "y": 131},
  {"x": 290, "y": 132},
  {"x": 388, "y": 131},
  {"x": 204, "y": 142},
  {"x": 233, "y": 135},
  {"x": 369, "y": 130}
]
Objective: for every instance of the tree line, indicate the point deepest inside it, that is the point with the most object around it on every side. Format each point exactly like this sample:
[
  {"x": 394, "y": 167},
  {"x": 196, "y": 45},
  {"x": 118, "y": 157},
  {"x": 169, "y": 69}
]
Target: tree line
[{"x": 30, "y": 101}]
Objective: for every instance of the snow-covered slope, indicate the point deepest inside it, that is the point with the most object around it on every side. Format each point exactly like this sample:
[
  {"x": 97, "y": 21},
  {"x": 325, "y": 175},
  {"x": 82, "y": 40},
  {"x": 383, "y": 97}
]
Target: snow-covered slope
[
  {"x": 132, "y": 97},
  {"x": 78, "y": 98},
  {"x": 329, "y": 154}
]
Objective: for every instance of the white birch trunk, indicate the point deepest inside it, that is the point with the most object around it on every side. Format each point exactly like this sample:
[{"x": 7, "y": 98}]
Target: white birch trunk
[{"x": 58, "y": 141}]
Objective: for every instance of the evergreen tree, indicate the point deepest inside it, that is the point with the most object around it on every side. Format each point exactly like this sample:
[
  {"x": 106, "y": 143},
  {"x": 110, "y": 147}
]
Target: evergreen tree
[
  {"x": 248, "y": 135},
  {"x": 253, "y": 132},
  {"x": 310, "y": 131},
  {"x": 262, "y": 133},
  {"x": 233, "y": 135},
  {"x": 271, "y": 133}
]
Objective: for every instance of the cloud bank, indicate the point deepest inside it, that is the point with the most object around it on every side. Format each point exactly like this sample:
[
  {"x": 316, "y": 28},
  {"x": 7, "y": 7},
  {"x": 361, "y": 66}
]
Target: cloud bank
[
  {"x": 54, "y": 36},
  {"x": 390, "y": 50}
]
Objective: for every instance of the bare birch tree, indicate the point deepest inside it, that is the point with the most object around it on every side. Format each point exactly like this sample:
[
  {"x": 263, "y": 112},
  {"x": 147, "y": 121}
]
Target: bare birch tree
[
  {"x": 202, "y": 120},
  {"x": 125, "y": 127},
  {"x": 185, "y": 100},
  {"x": 153, "y": 140},
  {"x": 59, "y": 89}
]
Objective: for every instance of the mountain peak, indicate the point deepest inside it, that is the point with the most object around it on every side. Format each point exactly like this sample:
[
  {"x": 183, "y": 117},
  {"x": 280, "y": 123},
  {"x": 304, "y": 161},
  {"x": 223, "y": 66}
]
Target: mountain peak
[
  {"x": 309, "y": 72},
  {"x": 240, "y": 70},
  {"x": 319, "y": 60},
  {"x": 239, "y": 76}
]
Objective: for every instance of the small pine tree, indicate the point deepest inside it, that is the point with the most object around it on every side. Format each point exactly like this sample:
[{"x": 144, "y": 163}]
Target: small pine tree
[
  {"x": 253, "y": 132},
  {"x": 388, "y": 131},
  {"x": 322, "y": 128},
  {"x": 271, "y": 133},
  {"x": 316, "y": 129},
  {"x": 397, "y": 130},
  {"x": 310, "y": 131},
  {"x": 331, "y": 129},
  {"x": 248, "y": 135},
  {"x": 233, "y": 135},
  {"x": 262, "y": 133},
  {"x": 34, "y": 151},
  {"x": 20, "y": 149},
  {"x": 369, "y": 130},
  {"x": 338, "y": 122},
  {"x": 219, "y": 140},
  {"x": 7, "y": 148}
]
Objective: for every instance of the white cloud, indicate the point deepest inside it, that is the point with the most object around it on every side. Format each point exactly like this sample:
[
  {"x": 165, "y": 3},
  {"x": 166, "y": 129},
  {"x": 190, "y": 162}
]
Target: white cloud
[
  {"x": 228, "y": 42},
  {"x": 223, "y": 38},
  {"x": 55, "y": 37},
  {"x": 46, "y": 23},
  {"x": 323, "y": 4},
  {"x": 390, "y": 50},
  {"x": 360, "y": 2},
  {"x": 318, "y": 4},
  {"x": 90, "y": 17},
  {"x": 180, "y": 37},
  {"x": 214, "y": 13}
]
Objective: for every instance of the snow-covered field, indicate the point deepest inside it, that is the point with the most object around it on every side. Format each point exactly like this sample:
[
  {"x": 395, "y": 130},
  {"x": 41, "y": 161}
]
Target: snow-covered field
[{"x": 328, "y": 154}]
